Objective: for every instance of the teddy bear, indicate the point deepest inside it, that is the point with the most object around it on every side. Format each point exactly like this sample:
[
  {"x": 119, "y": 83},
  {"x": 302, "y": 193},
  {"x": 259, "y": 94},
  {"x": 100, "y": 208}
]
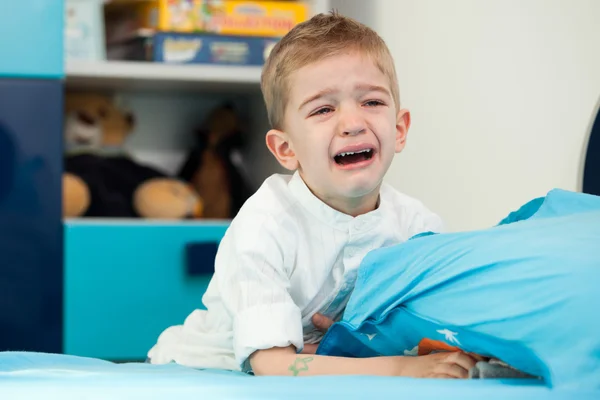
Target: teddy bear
[
  {"x": 102, "y": 180},
  {"x": 215, "y": 167}
]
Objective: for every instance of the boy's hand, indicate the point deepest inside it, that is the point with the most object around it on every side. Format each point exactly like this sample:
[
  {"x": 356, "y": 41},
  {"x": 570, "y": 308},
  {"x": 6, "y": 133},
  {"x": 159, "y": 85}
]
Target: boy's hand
[
  {"x": 437, "y": 365},
  {"x": 323, "y": 324}
]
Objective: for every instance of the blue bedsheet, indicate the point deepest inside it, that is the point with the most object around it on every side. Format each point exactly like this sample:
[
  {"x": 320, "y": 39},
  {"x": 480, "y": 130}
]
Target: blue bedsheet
[
  {"x": 51, "y": 376},
  {"x": 525, "y": 292}
]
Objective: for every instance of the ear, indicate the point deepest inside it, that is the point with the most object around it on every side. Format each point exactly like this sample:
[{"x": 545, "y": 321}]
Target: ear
[
  {"x": 279, "y": 145},
  {"x": 402, "y": 126}
]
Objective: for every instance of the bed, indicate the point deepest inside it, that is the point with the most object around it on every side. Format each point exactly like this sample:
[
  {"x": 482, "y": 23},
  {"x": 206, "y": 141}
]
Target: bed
[{"x": 29, "y": 375}]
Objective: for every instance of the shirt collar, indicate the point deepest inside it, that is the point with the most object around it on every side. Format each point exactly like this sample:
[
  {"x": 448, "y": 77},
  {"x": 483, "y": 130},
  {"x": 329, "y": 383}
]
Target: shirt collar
[{"x": 329, "y": 215}]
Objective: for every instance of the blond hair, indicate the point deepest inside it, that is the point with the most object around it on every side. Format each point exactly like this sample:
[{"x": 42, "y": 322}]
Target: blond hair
[{"x": 322, "y": 36}]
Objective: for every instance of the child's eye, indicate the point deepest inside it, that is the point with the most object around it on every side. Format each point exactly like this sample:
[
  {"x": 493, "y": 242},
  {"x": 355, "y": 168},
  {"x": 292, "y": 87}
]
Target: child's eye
[
  {"x": 374, "y": 103},
  {"x": 322, "y": 111}
]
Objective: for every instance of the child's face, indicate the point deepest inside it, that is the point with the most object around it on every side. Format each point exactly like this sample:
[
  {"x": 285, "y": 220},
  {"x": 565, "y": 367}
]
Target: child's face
[{"x": 342, "y": 129}]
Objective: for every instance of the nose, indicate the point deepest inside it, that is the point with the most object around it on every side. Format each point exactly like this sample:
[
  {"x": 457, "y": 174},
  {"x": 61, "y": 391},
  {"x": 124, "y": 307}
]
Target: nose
[
  {"x": 351, "y": 122},
  {"x": 85, "y": 118},
  {"x": 353, "y": 131}
]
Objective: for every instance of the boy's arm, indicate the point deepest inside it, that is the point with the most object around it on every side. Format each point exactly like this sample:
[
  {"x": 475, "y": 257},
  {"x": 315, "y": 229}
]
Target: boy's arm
[{"x": 285, "y": 361}]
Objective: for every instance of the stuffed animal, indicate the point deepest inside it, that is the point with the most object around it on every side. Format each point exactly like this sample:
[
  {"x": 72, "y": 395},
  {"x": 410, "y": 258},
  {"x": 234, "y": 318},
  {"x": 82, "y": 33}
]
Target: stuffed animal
[
  {"x": 214, "y": 167},
  {"x": 102, "y": 180}
]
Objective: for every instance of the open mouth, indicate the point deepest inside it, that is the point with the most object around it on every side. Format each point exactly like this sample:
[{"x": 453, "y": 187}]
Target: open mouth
[{"x": 353, "y": 157}]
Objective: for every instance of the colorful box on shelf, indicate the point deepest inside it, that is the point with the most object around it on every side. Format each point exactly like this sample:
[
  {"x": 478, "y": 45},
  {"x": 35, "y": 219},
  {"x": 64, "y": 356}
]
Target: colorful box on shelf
[
  {"x": 225, "y": 17},
  {"x": 179, "y": 48},
  {"x": 194, "y": 48}
]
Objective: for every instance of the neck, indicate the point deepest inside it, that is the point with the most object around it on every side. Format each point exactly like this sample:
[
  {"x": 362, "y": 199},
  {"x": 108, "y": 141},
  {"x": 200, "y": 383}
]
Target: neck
[{"x": 355, "y": 206}]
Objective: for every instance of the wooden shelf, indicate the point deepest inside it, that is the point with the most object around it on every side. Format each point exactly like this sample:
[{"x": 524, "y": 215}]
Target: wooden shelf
[{"x": 128, "y": 75}]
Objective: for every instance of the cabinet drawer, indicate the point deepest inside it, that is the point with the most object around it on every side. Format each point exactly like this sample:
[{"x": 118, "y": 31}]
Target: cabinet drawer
[
  {"x": 125, "y": 282},
  {"x": 31, "y": 259}
]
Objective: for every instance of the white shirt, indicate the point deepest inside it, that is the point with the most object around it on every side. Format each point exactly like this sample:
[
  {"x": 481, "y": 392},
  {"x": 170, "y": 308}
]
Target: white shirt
[{"x": 286, "y": 256}]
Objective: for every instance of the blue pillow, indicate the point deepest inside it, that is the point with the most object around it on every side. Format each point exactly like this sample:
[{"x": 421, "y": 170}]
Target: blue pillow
[{"x": 526, "y": 291}]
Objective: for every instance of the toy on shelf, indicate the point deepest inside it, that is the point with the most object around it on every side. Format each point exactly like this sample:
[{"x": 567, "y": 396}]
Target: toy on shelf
[
  {"x": 215, "y": 167},
  {"x": 223, "y": 17},
  {"x": 84, "y": 30},
  {"x": 102, "y": 180},
  {"x": 181, "y": 48},
  {"x": 223, "y": 32},
  {"x": 231, "y": 17}
]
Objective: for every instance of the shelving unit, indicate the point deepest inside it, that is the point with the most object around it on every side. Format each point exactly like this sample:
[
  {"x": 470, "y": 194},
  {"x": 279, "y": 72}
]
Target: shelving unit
[{"x": 129, "y": 75}]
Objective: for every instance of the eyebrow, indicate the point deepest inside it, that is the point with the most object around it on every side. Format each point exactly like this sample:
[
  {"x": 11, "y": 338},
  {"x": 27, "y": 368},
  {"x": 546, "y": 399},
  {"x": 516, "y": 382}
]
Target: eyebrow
[
  {"x": 322, "y": 93},
  {"x": 363, "y": 88},
  {"x": 366, "y": 88}
]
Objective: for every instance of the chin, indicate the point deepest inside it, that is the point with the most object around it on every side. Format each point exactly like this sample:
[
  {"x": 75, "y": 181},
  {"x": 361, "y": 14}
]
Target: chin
[
  {"x": 362, "y": 182},
  {"x": 359, "y": 190}
]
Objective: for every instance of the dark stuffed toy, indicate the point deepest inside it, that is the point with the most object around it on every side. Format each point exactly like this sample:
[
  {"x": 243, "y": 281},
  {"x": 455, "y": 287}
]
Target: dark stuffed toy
[
  {"x": 214, "y": 166},
  {"x": 102, "y": 180}
]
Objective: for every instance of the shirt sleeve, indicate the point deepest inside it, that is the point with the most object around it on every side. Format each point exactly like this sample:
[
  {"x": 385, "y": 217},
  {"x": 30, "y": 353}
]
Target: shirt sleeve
[{"x": 254, "y": 287}]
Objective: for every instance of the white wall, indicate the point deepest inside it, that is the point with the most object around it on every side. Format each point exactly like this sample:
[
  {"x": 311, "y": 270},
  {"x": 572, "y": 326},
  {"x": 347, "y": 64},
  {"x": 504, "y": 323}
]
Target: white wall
[{"x": 502, "y": 93}]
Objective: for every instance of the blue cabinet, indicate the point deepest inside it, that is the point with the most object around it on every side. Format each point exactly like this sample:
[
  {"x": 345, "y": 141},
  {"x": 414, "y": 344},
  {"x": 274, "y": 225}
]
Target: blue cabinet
[
  {"x": 30, "y": 215},
  {"x": 31, "y": 101},
  {"x": 591, "y": 172},
  {"x": 100, "y": 289},
  {"x": 126, "y": 281}
]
